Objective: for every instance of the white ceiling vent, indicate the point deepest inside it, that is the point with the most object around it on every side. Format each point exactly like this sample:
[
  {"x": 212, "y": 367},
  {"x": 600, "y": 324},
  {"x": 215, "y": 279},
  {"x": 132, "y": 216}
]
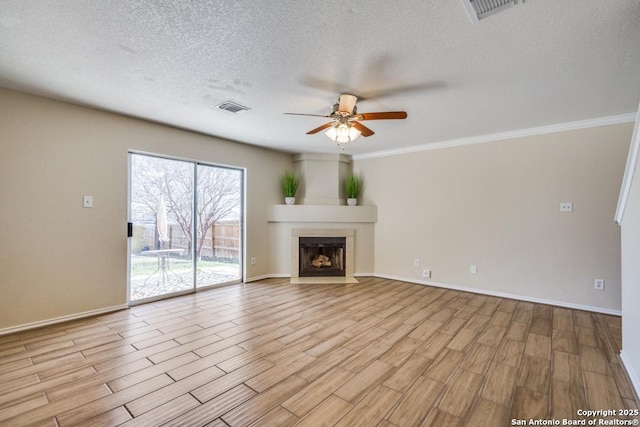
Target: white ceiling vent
[
  {"x": 232, "y": 107},
  {"x": 480, "y": 9}
]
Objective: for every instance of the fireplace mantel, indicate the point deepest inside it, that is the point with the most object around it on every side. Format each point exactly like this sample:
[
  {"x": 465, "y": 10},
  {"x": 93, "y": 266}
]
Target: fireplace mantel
[
  {"x": 322, "y": 213},
  {"x": 321, "y": 206}
]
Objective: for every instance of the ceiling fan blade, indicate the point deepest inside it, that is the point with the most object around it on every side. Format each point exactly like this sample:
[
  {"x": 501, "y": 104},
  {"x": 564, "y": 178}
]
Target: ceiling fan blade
[
  {"x": 396, "y": 90},
  {"x": 303, "y": 114},
  {"x": 381, "y": 116},
  {"x": 365, "y": 131},
  {"x": 324, "y": 85},
  {"x": 319, "y": 128},
  {"x": 347, "y": 102}
]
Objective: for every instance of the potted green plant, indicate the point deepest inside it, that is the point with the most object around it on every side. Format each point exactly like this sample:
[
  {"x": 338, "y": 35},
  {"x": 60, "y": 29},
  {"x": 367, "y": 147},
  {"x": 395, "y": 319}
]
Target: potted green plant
[
  {"x": 290, "y": 183},
  {"x": 353, "y": 185}
]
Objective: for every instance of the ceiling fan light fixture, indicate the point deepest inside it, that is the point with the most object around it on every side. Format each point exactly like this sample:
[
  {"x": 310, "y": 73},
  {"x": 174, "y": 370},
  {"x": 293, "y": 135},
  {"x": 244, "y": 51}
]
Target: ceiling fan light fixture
[
  {"x": 342, "y": 133},
  {"x": 345, "y": 125}
]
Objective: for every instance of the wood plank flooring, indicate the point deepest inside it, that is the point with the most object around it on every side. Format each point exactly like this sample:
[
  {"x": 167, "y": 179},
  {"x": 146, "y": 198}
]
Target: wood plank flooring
[{"x": 269, "y": 353}]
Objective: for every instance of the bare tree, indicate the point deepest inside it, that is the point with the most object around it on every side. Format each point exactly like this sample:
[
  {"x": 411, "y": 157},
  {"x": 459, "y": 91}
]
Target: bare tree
[
  {"x": 218, "y": 193},
  {"x": 218, "y": 197}
]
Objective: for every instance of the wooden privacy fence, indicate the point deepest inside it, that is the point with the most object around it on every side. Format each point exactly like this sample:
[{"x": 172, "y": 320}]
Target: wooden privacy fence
[{"x": 222, "y": 240}]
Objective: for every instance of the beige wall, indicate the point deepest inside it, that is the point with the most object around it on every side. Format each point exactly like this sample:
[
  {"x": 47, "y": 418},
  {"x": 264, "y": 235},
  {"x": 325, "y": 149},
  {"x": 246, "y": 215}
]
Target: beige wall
[
  {"x": 631, "y": 281},
  {"x": 58, "y": 259},
  {"x": 493, "y": 204},
  {"x": 496, "y": 205}
]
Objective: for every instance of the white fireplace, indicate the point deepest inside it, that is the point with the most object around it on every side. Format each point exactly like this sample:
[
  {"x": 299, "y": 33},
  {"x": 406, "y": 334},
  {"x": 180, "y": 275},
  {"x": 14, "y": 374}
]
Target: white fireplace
[
  {"x": 346, "y": 271},
  {"x": 320, "y": 211}
]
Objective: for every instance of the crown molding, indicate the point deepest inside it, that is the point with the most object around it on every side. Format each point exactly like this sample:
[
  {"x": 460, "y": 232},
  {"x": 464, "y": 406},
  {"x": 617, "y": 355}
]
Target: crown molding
[{"x": 560, "y": 127}]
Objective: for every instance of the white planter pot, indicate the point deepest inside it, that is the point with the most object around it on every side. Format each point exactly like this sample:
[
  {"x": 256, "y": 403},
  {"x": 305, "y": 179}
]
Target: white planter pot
[
  {"x": 352, "y": 202},
  {"x": 290, "y": 200}
]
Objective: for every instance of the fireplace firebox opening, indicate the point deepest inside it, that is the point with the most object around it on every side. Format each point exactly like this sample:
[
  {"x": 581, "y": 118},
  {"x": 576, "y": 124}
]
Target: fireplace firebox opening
[{"x": 322, "y": 256}]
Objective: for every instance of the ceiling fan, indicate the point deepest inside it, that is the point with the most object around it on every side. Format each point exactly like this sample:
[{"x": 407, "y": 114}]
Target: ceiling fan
[{"x": 345, "y": 121}]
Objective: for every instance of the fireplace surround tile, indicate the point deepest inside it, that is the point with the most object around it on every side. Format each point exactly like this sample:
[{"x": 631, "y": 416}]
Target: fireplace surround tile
[{"x": 347, "y": 233}]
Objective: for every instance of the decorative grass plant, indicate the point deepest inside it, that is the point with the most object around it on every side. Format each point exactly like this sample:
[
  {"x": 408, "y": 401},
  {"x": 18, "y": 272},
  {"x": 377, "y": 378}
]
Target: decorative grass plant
[
  {"x": 290, "y": 183},
  {"x": 353, "y": 184}
]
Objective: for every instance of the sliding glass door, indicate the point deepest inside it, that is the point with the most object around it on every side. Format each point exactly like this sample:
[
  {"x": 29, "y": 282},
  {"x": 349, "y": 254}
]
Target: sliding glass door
[
  {"x": 218, "y": 225},
  {"x": 186, "y": 226}
]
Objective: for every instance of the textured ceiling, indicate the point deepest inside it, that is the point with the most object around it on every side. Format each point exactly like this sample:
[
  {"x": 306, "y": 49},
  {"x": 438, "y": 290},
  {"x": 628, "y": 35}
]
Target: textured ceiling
[{"x": 540, "y": 63}]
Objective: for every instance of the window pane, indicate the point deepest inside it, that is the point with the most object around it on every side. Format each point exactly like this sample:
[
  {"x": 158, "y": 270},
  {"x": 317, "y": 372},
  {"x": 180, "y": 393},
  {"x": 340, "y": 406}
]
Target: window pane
[
  {"x": 219, "y": 214},
  {"x": 161, "y": 257}
]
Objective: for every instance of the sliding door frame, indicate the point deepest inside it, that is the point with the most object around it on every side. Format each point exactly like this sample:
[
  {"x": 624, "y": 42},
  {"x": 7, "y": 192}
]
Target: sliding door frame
[{"x": 194, "y": 260}]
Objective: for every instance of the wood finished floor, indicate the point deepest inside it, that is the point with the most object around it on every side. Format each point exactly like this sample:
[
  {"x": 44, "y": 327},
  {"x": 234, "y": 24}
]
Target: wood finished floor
[{"x": 269, "y": 353}]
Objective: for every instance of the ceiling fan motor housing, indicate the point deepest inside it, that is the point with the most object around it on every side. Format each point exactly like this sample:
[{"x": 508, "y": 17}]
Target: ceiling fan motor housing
[
  {"x": 335, "y": 110},
  {"x": 347, "y": 103}
]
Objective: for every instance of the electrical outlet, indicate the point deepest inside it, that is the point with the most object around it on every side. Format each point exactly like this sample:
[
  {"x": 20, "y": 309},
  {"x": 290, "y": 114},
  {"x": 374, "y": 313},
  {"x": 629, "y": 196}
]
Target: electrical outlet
[
  {"x": 253, "y": 260},
  {"x": 426, "y": 273},
  {"x": 598, "y": 284},
  {"x": 566, "y": 207},
  {"x": 416, "y": 262}
]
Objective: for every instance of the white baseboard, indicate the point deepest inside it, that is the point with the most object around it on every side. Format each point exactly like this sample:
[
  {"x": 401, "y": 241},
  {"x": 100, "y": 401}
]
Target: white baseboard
[
  {"x": 48, "y": 322},
  {"x": 467, "y": 289},
  {"x": 633, "y": 375},
  {"x": 364, "y": 274},
  {"x": 266, "y": 276},
  {"x": 505, "y": 295}
]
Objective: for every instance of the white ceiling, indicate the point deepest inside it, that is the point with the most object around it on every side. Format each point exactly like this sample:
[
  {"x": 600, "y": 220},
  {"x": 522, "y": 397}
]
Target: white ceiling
[{"x": 540, "y": 63}]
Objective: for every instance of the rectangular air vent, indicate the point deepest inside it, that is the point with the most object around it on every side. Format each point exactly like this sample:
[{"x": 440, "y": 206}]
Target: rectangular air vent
[
  {"x": 480, "y": 9},
  {"x": 232, "y": 107}
]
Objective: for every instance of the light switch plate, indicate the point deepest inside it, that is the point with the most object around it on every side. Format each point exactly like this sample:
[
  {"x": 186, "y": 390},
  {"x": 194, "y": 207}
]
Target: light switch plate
[{"x": 87, "y": 202}]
